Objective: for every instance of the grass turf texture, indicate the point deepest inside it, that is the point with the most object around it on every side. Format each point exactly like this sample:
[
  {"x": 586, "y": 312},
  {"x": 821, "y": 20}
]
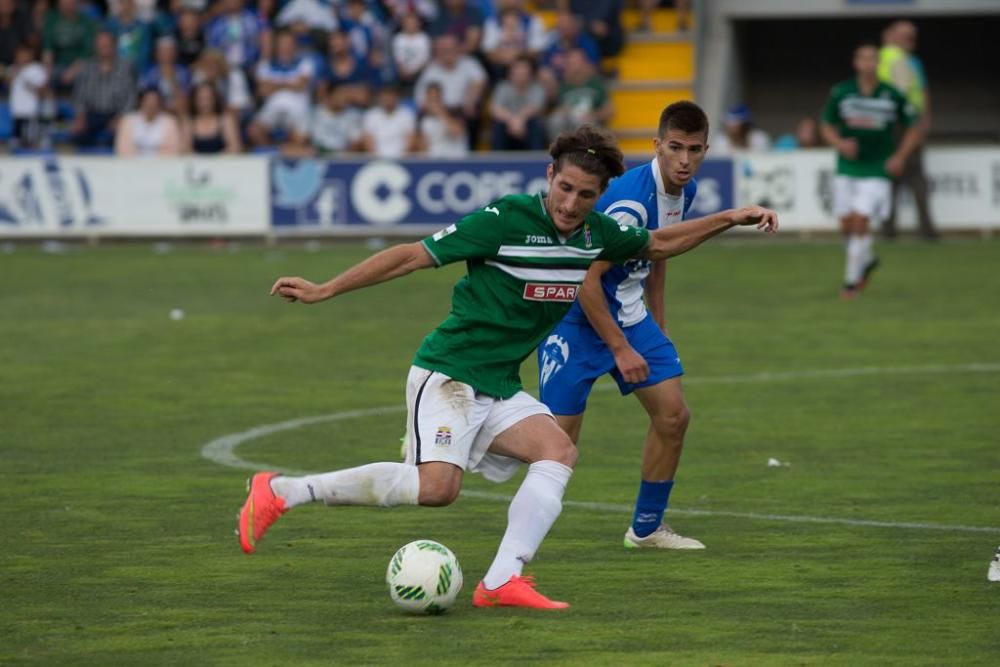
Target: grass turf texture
[{"x": 117, "y": 536}]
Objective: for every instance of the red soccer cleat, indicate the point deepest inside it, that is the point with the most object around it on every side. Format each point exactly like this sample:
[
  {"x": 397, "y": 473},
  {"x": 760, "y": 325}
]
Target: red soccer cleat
[
  {"x": 517, "y": 592},
  {"x": 261, "y": 509}
]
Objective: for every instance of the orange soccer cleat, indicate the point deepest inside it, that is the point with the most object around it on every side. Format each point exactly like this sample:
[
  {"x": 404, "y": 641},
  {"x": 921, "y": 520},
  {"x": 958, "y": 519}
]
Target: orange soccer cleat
[
  {"x": 261, "y": 509},
  {"x": 517, "y": 592}
]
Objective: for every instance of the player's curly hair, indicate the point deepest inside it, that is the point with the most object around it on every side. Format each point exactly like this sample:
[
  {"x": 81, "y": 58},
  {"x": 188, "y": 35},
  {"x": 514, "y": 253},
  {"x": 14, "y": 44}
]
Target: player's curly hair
[{"x": 590, "y": 148}]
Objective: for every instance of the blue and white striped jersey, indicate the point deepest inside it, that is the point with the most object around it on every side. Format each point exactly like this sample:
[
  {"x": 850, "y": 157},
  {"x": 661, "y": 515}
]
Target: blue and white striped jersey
[{"x": 636, "y": 198}]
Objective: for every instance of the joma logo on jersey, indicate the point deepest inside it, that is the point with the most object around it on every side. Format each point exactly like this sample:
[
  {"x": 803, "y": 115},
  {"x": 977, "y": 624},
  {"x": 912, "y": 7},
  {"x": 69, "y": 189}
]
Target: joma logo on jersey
[
  {"x": 542, "y": 240},
  {"x": 550, "y": 292}
]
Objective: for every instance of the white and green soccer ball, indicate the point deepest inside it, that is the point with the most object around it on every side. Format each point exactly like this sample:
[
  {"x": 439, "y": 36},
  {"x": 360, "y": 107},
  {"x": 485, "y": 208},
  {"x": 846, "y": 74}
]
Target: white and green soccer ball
[{"x": 424, "y": 576}]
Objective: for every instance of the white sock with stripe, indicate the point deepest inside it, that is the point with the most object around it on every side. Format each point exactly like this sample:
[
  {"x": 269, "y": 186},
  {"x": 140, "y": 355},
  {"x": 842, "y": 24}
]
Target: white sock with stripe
[
  {"x": 534, "y": 509},
  {"x": 384, "y": 484}
]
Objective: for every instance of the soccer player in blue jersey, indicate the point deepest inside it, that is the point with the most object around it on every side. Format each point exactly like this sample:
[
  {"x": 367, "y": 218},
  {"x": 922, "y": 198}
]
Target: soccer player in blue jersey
[{"x": 610, "y": 329}]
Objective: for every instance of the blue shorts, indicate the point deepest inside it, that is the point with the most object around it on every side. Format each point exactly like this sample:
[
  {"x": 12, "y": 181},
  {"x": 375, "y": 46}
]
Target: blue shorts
[{"x": 574, "y": 356}]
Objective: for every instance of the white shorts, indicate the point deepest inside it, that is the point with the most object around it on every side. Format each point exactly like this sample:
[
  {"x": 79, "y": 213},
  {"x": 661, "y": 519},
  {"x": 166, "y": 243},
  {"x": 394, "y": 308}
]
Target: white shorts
[
  {"x": 870, "y": 197},
  {"x": 449, "y": 421},
  {"x": 281, "y": 113}
]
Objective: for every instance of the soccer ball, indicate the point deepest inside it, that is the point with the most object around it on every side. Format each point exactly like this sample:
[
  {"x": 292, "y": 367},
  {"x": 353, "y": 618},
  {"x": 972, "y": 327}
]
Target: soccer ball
[{"x": 424, "y": 576}]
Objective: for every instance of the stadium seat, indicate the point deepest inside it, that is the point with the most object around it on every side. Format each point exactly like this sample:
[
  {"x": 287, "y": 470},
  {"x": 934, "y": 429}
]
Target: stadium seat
[
  {"x": 6, "y": 123},
  {"x": 95, "y": 150}
]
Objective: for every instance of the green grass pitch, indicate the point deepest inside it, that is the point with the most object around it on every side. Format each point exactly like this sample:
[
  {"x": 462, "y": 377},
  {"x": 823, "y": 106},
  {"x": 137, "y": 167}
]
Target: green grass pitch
[{"x": 117, "y": 535}]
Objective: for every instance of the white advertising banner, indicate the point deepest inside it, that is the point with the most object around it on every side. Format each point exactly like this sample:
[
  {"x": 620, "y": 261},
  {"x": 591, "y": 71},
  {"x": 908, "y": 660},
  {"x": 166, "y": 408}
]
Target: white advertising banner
[
  {"x": 964, "y": 185},
  {"x": 106, "y": 196}
]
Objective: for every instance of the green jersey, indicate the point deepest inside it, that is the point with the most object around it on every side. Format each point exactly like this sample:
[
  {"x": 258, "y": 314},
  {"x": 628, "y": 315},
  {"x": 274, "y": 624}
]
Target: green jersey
[
  {"x": 522, "y": 277},
  {"x": 873, "y": 120}
]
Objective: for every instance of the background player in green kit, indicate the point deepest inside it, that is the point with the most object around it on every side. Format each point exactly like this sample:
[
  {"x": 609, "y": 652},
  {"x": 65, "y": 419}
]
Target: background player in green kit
[
  {"x": 861, "y": 120},
  {"x": 526, "y": 256}
]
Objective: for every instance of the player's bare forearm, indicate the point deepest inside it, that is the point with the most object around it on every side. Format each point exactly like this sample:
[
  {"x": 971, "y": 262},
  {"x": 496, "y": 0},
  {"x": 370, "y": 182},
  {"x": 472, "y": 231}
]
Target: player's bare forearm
[
  {"x": 678, "y": 238},
  {"x": 595, "y": 307},
  {"x": 391, "y": 263},
  {"x": 630, "y": 363},
  {"x": 912, "y": 138},
  {"x": 653, "y": 292}
]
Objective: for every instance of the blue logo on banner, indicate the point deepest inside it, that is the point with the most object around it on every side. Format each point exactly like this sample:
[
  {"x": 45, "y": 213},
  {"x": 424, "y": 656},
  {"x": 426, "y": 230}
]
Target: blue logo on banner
[
  {"x": 30, "y": 196},
  {"x": 715, "y": 188}
]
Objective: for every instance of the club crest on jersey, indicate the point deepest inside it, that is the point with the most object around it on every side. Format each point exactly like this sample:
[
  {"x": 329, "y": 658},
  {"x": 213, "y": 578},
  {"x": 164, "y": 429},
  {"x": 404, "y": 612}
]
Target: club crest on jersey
[
  {"x": 550, "y": 292},
  {"x": 555, "y": 354},
  {"x": 443, "y": 437}
]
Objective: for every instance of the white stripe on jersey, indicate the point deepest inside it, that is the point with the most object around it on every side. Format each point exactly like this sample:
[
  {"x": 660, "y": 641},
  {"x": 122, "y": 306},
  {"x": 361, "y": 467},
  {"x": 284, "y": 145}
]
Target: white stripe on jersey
[
  {"x": 540, "y": 274},
  {"x": 553, "y": 251},
  {"x": 626, "y": 206}
]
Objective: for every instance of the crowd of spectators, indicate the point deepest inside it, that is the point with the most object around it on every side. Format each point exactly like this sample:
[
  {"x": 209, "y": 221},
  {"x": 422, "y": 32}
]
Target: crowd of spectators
[{"x": 313, "y": 77}]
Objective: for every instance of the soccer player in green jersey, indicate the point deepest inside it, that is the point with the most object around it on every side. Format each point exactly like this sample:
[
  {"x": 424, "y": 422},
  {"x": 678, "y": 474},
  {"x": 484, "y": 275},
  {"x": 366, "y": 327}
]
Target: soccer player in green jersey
[
  {"x": 860, "y": 120},
  {"x": 526, "y": 256}
]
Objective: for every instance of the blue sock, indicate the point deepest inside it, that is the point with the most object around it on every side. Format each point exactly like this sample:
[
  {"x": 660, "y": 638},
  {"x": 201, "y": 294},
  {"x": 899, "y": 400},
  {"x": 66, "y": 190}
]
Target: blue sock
[{"x": 650, "y": 506}]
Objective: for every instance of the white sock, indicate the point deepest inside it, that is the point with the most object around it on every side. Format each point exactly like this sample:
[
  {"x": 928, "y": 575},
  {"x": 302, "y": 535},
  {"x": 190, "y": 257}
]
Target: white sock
[
  {"x": 384, "y": 484},
  {"x": 532, "y": 512},
  {"x": 867, "y": 250},
  {"x": 854, "y": 266}
]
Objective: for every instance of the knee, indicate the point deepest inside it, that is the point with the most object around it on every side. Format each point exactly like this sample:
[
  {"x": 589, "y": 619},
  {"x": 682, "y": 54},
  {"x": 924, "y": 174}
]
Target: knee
[
  {"x": 565, "y": 453},
  {"x": 673, "y": 421},
  {"x": 437, "y": 490}
]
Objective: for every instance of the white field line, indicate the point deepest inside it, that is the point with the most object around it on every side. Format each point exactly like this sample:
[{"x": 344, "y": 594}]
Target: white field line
[{"x": 222, "y": 450}]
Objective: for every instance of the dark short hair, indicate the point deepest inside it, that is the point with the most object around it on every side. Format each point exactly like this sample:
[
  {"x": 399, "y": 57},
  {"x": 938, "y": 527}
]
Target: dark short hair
[
  {"x": 590, "y": 148},
  {"x": 526, "y": 59},
  {"x": 867, "y": 44},
  {"x": 685, "y": 116}
]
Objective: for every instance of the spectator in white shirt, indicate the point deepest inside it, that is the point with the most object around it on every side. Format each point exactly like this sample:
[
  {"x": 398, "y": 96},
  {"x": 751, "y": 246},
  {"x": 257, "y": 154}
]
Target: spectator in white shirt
[
  {"x": 739, "y": 133},
  {"x": 387, "y": 129},
  {"x": 149, "y": 131},
  {"x": 517, "y": 108},
  {"x": 511, "y": 33},
  {"x": 27, "y": 80},
  {"x": 336, "y": 127},
  {"x": 441, "y": 130},
  {"x": 462, "y": 79},
  {"x": 411, "y": 49},
  {"x": 283, "y": 84}
]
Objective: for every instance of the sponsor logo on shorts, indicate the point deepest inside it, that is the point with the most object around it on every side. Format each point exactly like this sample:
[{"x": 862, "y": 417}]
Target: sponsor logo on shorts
[
  {"x": 550, "y": 292},
  {"x": 443, "y": 437}
]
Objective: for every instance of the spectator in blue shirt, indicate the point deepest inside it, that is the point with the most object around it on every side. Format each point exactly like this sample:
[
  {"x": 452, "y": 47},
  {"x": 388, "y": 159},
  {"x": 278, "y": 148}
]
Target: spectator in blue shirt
[
  {"x": 172, "y": 79},
  {"x": 343, "y": 68},
  {"x": 284, "y": 84},
  {"x": 237, "y": 32},
  {"x": 567, "y": 36},
  {"x": 461, "y": 19},
  {"x": 131, "y": 34}
]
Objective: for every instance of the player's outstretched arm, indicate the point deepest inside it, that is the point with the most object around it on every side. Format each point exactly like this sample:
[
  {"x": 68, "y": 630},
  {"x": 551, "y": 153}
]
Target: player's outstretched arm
[
  {"x": 680, "y": 237},
  {"x": 595, "y": 306},
  {"x": 391, "y": 263}
]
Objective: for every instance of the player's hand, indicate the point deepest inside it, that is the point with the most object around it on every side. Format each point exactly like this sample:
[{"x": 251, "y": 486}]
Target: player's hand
[
  {"x": 631, "y": 365},
  {"x": 848, "y": 148},
  {"x": 765, "y": 219},
  {"x": 297, "y": 289},
  {"x": 894, "y": 165}
]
